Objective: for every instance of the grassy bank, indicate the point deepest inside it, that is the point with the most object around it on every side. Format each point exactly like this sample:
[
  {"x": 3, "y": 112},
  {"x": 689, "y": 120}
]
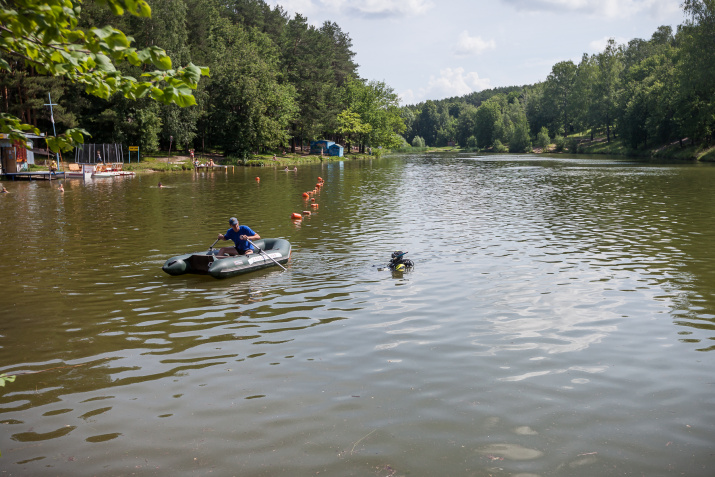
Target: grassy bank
[
  {"x": 672, "y": 151},
  {"x": 600, "y": 146}
]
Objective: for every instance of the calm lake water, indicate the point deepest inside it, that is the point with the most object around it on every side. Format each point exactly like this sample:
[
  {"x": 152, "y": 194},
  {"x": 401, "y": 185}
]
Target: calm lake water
[{"x": 560, "y": 321}]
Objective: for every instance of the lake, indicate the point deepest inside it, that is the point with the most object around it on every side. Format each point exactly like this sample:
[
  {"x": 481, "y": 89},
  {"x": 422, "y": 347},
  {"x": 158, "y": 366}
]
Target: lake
[{"x": 559, "y": 321}]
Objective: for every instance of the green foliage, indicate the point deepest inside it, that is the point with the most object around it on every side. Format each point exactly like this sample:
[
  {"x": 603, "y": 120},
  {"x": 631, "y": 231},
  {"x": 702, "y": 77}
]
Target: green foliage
[
  {"x": 542, "y": 139},
  {"x": 472, "y": 142},
  {"x": 351, "y": 126},
  {"x": 573, "y": 145},
  {"x": 5, "y": 378},
  {"x": 560, "y": 142},
  {"x": 558, "y": 94},
  {"x": 418, "y": 142},
  {"x": 487, "y": 121},
  {"x": 377, "y": 108},
  {"x": 252, "y": 106},
  {"x": 149, "y": 125},
  {"x": 499, "y": 147},
  {"x": 519, "y": 140},
  {"x": 46, "y": 38}
]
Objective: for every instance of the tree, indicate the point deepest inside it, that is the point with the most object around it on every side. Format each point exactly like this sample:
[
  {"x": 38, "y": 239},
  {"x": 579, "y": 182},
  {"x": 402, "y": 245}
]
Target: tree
[
  {"x": 697, "y": 69},
  {"x": 583, "y": 98},
  {"x": 542, "y": 139},
  {"x": 605, "y": 91},
  {"x": 250, "y": 108},
  {"x": 377, "y": 105},
  {"x": 418, "y": 142},
  {"x": 558, "y": 94},
  {"x": 46, "y": 37},
  {"x": 466, "y": 124},
  {"x": 351, "y": 126},
  {"x": 487, "y": 118}
]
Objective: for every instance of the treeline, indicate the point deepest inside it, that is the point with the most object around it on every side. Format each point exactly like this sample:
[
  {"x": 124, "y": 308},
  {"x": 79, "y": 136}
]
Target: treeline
[
  {"x": 648, "y": 93},
  {"x": 276, "y": 82}
]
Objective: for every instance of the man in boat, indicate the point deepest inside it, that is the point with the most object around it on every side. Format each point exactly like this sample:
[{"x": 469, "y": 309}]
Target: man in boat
[{"x": 240, "y": 234}]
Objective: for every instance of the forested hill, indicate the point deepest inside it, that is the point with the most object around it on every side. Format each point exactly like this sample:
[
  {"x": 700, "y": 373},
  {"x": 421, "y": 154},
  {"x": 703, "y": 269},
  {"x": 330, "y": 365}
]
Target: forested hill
[
  {"x": 648, "y": 93},
  {"x": 274, "y": 81}
]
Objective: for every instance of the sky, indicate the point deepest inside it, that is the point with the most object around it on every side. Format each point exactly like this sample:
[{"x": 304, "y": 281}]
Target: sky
[{"x": 435, "y": 49}]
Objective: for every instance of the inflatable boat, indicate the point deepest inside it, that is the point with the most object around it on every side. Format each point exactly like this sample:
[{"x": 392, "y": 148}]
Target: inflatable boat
[{"x": 271, "y": 252}]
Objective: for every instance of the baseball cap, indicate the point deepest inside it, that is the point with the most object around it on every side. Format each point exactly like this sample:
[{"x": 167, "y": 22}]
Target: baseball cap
[{"x": 233, "y": 221}]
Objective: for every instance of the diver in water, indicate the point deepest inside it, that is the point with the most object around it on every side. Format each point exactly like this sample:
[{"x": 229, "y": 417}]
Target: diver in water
[{"x": 398, "y": 263}]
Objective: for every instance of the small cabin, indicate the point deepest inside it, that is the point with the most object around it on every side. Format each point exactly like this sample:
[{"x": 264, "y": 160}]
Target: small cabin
[
  {"x": 316, "y": 147},
  {"x": 14, "y": 156},
  {"x": 335, "y": 150},
  {"x": 328, "y": 148}
]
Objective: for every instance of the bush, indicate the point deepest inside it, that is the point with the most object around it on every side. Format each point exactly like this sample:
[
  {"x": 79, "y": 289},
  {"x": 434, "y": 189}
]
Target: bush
[
  {"x": 499, "y": 147},
  {"x": 560, "y": 143},
  {"x": 573, "y": 145},
  {"x": 519, "y": 140},
  {"x": 472, "y": 142},
  {"x": 542, "y": 139},
  {"x": 418, "y": 142}
]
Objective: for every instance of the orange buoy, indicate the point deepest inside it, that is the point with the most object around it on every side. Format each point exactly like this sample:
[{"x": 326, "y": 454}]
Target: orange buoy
[
  {"x": 320, "y": 179},
  {"x": 314, "y": 205},
  {"x": 313, "y": 199},
  {"x": 258, "y": 179},
  {"x": 296, "y": 216},
  {"x": 306, "y": 195},
  {"x": 306, "y": 212},
  {"x": 318, "y": 185}
]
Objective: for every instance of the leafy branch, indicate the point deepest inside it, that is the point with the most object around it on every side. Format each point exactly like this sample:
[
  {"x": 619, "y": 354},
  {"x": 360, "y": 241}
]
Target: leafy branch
[{"x": 46, "y": 37}]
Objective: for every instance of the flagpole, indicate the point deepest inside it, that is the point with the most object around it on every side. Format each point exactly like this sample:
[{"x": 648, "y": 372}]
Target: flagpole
[{"x": 54, "y": 131}]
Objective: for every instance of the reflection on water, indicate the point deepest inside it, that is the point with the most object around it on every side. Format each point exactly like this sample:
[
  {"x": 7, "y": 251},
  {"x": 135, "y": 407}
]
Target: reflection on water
[{"x": 554, "y": 322}]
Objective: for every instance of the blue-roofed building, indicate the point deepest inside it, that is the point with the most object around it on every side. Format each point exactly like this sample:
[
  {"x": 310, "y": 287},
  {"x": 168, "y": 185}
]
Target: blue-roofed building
[
  {"x": 335, "y": 150},
  {"x": 317, "y": 146}
]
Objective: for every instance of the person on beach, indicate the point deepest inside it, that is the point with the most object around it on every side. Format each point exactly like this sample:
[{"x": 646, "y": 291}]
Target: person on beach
[{"x": 240, "y": 234}]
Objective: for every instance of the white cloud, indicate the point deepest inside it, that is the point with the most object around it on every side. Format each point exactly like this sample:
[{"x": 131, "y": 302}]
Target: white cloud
[
  {"x": 597, "y": 46},
  {"x": 450, "y": 82},
  {"x": 363, "y": 8},
  {"x": 607, "y": 8},
  {"x": 472, "y": 45},
  {"x": 304, "y": 7},
  {"x": 382, "y": 8}
]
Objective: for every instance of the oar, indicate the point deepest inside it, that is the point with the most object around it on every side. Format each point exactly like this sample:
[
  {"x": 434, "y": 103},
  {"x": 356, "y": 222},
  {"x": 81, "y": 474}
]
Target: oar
[
  {"x": 212, "y": 245},
  {"x": 264, "y": 253}
]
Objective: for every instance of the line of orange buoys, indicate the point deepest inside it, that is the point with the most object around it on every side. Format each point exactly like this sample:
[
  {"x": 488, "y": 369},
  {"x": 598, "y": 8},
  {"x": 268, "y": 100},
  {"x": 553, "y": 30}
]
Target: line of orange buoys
[{"x": 296, "y": 217}]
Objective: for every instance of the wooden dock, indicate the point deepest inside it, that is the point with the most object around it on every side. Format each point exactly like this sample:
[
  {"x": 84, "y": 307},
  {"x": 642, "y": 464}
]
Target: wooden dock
[{"x": 35, "y": 175}]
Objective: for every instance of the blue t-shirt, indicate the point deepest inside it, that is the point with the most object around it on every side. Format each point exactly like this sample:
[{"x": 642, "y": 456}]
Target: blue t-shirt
[{"x": 241, "y": 245}]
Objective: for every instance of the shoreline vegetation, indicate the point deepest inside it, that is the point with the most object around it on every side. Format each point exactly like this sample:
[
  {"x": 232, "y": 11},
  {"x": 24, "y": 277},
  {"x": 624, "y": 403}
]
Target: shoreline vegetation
[
  {"x": 576, "y": 145},
  {"x": 261, "y": 95},
  {"x": 573, "y": 145}
]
